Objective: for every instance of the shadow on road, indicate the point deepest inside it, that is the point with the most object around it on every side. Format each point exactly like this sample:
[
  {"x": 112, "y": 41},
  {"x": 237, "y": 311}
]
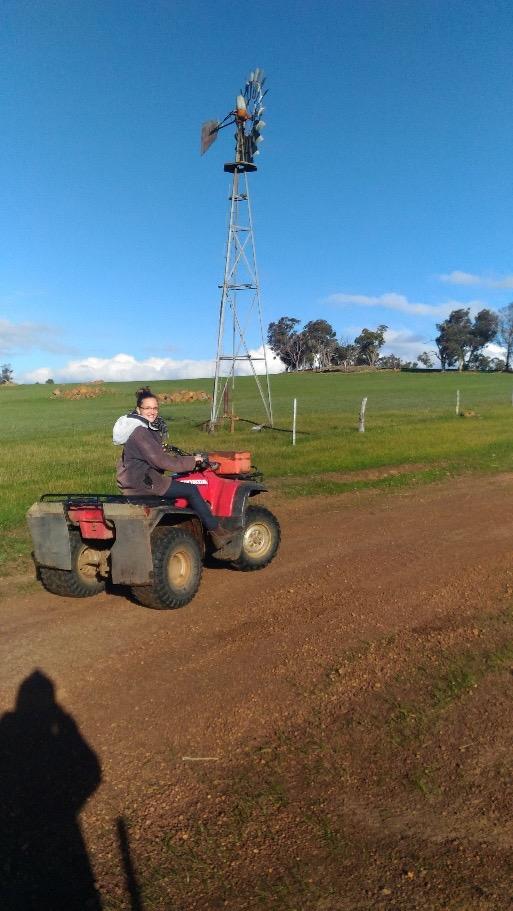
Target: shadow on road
[
  {"x": 131, "y": 883},
  {"x": 47, "y": 773}
]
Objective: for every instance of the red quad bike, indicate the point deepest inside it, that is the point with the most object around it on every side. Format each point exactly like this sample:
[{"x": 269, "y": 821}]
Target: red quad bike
[{"x": 154, "y": 546}]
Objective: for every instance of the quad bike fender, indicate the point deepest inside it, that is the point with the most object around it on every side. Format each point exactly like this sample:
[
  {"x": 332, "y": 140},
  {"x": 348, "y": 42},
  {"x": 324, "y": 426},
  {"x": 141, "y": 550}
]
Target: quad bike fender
[
  {"x": 50, "y": 535},
  {"x": 131, "y": 561},
  {"x": 244, "y": 491}
]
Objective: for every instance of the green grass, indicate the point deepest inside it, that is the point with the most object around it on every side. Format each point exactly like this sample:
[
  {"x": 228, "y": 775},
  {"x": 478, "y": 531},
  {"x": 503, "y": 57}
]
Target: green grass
[{"x": 54, "y": 444}]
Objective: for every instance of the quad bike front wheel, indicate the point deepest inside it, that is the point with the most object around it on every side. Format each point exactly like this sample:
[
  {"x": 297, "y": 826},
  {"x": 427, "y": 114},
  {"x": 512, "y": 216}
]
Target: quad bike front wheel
[
  {"x": 177, "y": 569},
  {"x": 260, "y": 539},
  {"x": 82, "y": 580}
]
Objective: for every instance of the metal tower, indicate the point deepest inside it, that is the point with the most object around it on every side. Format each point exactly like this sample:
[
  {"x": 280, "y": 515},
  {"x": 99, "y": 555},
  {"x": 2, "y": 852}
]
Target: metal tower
[{"x": 240, "y": 308}]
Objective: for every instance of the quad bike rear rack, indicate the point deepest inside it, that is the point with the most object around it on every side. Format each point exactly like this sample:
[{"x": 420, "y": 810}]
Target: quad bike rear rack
[{"x": 97, "y": 499}]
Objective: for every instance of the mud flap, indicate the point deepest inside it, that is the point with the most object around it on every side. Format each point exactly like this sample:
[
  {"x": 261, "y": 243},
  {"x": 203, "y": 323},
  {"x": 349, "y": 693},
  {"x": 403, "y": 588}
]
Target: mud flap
[
  {"x": 131, "y": 559},
  {"x": 50, "y": 535},
  {"x": 232, "y": 550}
]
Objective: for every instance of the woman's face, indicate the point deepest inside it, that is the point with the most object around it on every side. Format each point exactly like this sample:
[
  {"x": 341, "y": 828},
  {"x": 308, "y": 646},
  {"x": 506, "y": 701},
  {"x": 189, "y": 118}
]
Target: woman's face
[{"x": 149, "y": 409}]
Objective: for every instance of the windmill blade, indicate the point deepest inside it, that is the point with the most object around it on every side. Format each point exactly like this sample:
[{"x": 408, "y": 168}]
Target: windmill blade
[
  {"x": 253, "y": 95},
  {"x": 254, "y": 84},
  {"x": 209, "y": 132}
]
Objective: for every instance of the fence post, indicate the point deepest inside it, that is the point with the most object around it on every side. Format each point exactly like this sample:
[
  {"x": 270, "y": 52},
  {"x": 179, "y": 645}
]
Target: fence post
[
  {"x": 294, "y": 415},
  {"x": 457, "y": 401},
  {"x": 361, "y": 422}
]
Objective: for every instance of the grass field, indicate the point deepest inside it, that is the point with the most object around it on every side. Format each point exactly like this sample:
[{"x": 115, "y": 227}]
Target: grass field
[{"x": 54, "y": 444}]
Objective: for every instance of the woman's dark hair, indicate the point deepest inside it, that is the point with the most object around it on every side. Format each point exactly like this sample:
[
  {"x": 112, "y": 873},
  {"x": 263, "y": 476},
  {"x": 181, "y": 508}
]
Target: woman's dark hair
[
  {"x": 158, "y": 423},
  {"x": 144, "y": 393}
]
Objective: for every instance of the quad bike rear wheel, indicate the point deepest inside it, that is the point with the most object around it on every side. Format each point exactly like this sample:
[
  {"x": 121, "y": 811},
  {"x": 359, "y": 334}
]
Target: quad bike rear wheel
[
  {"x": 177, "y": 569},
  {"x": 260, "y": 539},
  {"x": 82, "y": 580}
]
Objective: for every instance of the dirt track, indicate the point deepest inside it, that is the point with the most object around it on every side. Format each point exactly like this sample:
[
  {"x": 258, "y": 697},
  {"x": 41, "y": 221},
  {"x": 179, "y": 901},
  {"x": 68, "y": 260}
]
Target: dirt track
[{"x": 263, "y": 672}]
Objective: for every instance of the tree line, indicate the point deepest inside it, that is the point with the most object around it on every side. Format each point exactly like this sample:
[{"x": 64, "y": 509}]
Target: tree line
[{"x": 459, "y": 344}]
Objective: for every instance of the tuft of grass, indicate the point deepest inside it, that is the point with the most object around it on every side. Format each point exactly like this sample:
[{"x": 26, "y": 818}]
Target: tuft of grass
[
  {"x": 422, "y": 779},
  {"x": 456, "y": 680},
  {"x": 406, "y": 722},
  {"x": 260, "y": 799}
]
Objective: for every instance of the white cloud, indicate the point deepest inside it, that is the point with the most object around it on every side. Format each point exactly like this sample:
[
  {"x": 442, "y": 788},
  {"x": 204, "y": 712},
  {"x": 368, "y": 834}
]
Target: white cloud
[
  {"x": 393, "y": 301},
  {"x": 460, "y": 278},
  {"x": 405, "y": 344},
  {"x": 125, "y": 367},
  {"x": 486, "y": 281},
  {"x": 493, "y": 350},
  {"x": 19, "y": 337},
  {"x": 41, "y": 375}
]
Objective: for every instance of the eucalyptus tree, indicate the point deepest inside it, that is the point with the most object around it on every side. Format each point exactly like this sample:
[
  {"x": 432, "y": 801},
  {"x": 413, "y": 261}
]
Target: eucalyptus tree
[
  {"x": 460, "y": 340},
  {"x": 370, "y": 343},
  {"x": 6, "y": 374}
]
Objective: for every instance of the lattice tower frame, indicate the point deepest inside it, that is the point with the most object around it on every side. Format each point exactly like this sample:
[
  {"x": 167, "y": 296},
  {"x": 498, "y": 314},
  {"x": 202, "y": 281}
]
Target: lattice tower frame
[{"x": 240, "y": 305}]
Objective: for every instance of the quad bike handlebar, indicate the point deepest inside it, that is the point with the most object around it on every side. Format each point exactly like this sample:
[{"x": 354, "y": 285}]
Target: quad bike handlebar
[
  {"x": 200, "y": 465},
  {"x": 206, "y": 463}
]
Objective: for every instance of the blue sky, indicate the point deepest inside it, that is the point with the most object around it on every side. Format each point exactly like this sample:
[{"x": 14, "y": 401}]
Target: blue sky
[{"x": 383, "y": 193}]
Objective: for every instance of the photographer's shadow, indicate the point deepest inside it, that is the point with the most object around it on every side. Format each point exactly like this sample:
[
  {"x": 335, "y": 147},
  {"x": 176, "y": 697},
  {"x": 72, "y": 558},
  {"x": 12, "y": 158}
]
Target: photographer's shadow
[{"x": 47, "y": 773}]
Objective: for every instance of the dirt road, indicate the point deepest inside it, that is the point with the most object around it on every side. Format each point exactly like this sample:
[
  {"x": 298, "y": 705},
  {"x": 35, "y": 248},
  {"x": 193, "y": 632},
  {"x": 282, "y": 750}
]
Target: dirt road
[{"x": 282, "y": 741}]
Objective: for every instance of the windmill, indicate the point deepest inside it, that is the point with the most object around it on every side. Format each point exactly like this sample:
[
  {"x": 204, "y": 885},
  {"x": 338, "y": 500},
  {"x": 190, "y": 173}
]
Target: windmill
[{"x": 240, "y": 307}]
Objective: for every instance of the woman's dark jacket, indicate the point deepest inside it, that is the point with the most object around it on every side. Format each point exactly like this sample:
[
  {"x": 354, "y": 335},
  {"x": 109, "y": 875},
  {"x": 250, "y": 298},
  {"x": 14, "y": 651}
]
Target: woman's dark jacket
[{"x": 141, "y": 467}]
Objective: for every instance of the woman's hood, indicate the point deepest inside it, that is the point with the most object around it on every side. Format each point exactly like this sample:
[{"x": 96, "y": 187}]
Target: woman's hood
[{"x": 125, "y": 426}]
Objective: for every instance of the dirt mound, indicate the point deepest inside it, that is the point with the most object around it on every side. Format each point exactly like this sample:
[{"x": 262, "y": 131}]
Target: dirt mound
[
  {"x": 80, "y": 392},
  {"x": 183, "y": 395}
]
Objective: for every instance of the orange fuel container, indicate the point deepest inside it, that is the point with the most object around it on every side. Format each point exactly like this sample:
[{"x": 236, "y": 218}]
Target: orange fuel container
[{"x": 231, "y": 462}]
